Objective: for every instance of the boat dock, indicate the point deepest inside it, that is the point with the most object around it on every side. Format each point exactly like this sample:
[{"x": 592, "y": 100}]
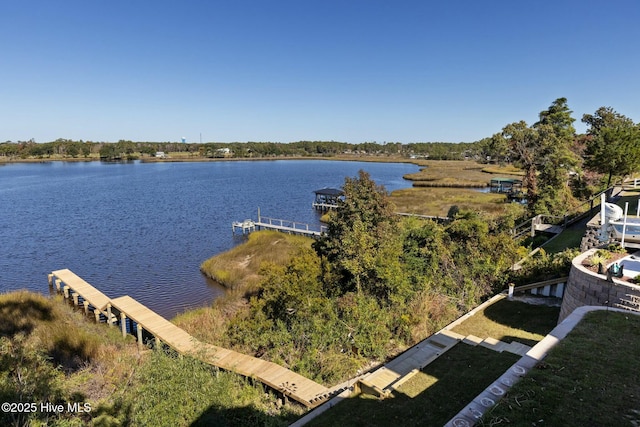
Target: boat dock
[
  {"x": 284, "y": 225},
  {"x": 328, "y": 199},
  {"x": 134, "y": 316}
]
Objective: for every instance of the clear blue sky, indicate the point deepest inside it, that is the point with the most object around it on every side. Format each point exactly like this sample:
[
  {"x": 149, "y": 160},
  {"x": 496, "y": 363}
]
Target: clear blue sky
[{"x": 270, "y": 70}]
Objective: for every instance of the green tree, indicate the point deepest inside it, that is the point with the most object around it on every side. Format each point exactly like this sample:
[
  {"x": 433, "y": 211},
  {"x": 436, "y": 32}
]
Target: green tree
[
  {"x": 494, "y": 149},
  {"x": 362, "y": 248},
  {"x": 544, "y": 152},
  {"x": 525, "y": 147},
  {"x": 613, "y": 146}
]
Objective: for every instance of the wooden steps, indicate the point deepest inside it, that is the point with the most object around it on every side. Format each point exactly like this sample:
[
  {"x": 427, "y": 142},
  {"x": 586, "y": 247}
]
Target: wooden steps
[
  {"x": 514, "y": 347},
  {"x": 382, "y": 381}
]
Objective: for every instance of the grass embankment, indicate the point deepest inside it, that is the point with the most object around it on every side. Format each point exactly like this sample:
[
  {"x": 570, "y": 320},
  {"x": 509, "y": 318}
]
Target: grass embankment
[
  {"x": 589, "y": 379},
  {"x": 431, "y": 397},
  {"x": 239, "y": 268},
  {"x": 50, "y": 353},
  {"x": 444, "y": 387}
]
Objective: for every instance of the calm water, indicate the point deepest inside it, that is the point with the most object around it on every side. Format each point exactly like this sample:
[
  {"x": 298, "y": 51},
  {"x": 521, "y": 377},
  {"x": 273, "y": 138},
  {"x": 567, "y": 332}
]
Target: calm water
[{"x": 143, "y": 229}]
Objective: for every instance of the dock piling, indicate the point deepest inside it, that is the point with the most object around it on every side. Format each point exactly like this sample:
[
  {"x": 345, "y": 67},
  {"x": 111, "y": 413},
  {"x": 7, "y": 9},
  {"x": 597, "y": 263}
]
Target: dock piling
[
  {"x": 139, "y": 330},
  {"x": 109, "y": 320},
  {"x": 123, "y": 324}
]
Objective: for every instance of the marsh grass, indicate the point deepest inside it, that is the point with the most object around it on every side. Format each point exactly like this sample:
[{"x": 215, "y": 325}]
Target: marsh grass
[
  {"x": 503, "y": 170},
  {"x": 239, "y": 268},
  {"x": 438, "y": 201},
  {"x": 588, "y": 379},
  {"x": 457, "y": 173},
  {"x": 209, "y": 324},
  {"x": 49, "y": 352}
]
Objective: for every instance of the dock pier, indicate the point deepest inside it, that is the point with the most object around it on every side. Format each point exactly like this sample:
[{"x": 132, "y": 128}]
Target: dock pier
[
  {"x": 283, "y": 225},
  {"x": 134, "y": 316}
]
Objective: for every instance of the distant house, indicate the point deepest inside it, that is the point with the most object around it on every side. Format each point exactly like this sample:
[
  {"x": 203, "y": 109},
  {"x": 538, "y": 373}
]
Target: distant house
[
  {"x": 160, "y": 155},
  {"x": 222, "y": 152}
]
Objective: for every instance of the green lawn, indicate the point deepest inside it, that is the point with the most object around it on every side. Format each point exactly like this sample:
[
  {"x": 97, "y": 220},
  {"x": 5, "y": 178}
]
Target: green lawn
[
  {"x": 569, "y": 238},
  {"x": 508, "y": 321},
  {"x": 431, "y": 397},
  {"x": 589, "y": 379},
  {"x": 443, "y": 388}
]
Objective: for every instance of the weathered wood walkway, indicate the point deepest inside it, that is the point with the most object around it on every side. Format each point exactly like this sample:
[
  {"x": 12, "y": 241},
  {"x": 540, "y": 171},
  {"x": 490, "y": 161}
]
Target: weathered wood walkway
[{"x": 293, "y": 385}]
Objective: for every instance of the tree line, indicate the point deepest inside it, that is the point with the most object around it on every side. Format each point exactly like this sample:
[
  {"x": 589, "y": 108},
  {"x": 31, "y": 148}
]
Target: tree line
[
  {"x": 67, "y": 148},
  {"x": 560, "y": 167}
]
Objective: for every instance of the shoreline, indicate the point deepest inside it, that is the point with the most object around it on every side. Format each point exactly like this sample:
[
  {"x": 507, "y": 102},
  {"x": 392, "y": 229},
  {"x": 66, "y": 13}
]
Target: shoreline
[{"x": 188, "y": 159}]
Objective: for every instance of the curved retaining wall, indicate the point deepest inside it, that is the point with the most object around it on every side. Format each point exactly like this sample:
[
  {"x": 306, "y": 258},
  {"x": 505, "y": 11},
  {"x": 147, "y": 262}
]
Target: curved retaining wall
[{"x": 585, "y": 287}]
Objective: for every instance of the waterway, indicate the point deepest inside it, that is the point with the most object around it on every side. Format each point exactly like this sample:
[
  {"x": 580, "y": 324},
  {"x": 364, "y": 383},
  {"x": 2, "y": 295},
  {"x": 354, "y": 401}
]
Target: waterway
[{"x": 143, "y": 229}]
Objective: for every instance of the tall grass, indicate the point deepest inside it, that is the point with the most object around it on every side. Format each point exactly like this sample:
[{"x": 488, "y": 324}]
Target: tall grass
[
  {"x": 240, "y": 267},
  {"x": 457, "y": 173},
  {"x": 438, "y": 201},
  {"x": 50, "y": 352},
  {"x": 182, "y": 391}
]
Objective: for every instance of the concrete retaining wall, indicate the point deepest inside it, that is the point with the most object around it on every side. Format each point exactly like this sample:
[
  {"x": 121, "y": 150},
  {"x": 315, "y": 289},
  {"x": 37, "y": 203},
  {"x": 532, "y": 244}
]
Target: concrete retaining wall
[{"x": 585, "y": 287}]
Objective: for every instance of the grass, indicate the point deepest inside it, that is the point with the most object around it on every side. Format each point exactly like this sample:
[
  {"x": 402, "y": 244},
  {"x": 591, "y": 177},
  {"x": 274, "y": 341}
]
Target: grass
[
  {"x": 569, "y": 238},
  {"x": 431, "y": 397},
  {"x": 239, "y": 268},
  {"x": 509, "y": 321},
  {"x": 50, "y": 352},
  {"x": 456, "y": 173},
  {"x": 182, "y": 391},
  {"x": 589, "y": 379},
  {"x": 444, "y": 387},
  {"x": 503, "y": 170},
  {"x": 438, "y": 201}
]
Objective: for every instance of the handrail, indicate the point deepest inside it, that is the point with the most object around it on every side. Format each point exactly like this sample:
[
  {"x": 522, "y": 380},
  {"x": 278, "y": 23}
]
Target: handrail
[
  {"x": 541, "y": 284},
  {"x": 569, "y": 218}
]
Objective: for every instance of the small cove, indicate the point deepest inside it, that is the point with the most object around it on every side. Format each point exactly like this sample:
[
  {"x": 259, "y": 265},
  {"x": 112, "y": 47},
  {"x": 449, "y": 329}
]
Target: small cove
[{"x": 142, "y": 229}]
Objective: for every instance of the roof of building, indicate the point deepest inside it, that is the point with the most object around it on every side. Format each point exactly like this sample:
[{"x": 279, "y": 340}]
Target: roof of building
[
  {"x": 510, "y": 180},
  {"x": 330, "y": 192}
]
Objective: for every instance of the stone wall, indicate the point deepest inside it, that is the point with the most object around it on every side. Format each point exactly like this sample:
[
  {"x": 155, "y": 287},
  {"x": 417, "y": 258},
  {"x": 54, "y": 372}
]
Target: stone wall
[
  {"x": 585, "y": 287},
  {"x": 591, "y": 238}
]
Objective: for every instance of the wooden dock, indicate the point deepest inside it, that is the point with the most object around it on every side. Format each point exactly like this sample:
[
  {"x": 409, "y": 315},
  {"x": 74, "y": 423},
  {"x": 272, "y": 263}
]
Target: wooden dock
[
  {"x": 283, "y": 225},
  {"x": 74, "y": 287},
  {"x": 127, "y": 310}
]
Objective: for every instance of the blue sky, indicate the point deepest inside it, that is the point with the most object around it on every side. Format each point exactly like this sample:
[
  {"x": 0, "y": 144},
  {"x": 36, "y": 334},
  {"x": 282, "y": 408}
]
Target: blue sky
[{"x": 350, "y": 70}]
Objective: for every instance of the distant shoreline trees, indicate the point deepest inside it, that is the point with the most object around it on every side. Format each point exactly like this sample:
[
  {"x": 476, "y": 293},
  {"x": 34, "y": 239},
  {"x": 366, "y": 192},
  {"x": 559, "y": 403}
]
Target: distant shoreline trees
[{"x": 66, "y": 148}]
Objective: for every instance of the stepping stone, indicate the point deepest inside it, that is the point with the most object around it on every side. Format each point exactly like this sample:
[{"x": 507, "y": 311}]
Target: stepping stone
[
  {"x": 472, "y": 340},
  {"x": 518, "y": 348},
  {"x": 451, "y": 334},
  {"x": 443, "y": 339},
  {"x": 493, "y": 344},
  {"x": 381, "y": 378}
]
